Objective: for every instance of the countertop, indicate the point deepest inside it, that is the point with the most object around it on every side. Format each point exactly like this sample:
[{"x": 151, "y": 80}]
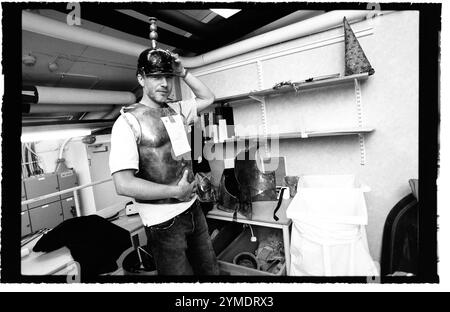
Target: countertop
[{"x": 60, "y": 260}]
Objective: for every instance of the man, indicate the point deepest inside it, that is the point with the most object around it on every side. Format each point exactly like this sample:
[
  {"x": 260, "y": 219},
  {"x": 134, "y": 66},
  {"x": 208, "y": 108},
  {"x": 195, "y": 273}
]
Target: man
[{"x": 146, "y": 165}]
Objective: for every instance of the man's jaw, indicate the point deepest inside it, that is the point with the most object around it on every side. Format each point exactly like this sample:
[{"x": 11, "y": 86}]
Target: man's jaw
[{"x": 158, "y": 98}]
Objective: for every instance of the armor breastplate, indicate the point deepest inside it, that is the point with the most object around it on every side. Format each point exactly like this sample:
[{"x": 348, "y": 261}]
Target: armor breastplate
[{"x": 157, "y": 163}]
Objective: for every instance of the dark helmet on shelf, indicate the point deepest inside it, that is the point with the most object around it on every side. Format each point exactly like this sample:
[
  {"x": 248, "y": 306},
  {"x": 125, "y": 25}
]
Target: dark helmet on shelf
[
  {"x": 155, "y": 62},
  {"x": 245, "y": 183}
]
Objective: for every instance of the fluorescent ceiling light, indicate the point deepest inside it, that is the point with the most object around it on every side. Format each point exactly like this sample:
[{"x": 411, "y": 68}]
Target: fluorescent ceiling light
[
  {"x": 226, "y": 13},
  {"x": 53, "y": 135}
]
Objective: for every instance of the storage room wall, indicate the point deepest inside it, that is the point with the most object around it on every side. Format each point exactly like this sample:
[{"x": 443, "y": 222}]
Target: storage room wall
[
  {"x": 389, "y": 104},
  {"x": 76, "y": 158},
  {"x": 92, "y": 199},
  {"x": 97, "y": 197}
]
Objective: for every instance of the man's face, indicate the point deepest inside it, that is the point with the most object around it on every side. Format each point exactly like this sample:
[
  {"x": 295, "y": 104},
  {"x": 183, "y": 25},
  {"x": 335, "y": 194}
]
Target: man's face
[{"x": 157, "y": 88}]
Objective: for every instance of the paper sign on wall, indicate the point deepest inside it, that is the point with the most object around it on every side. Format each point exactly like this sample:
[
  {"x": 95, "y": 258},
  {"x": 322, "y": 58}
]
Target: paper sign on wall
[{"x": 177, "y": 134}]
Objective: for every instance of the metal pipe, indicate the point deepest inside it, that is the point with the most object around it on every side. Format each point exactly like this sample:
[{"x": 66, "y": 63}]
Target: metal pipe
[
  {"x": 76, "y": 199},
  {"x": 32, "y": 119},
  {"x": 113, "y": 114},
  {"x": 94, "y": 116},
  {"x": 52, "y": 28},
  {"x": 307, "y": 27},
  {"x": 184, "y": 21},
  {"x": 292, "y": 18},
  {"x": 72, "y": 189},
  {"x": 50, "y": 95},
  {"x": 49, "y": 27},
  {"x": 72, "y": 108},
  {"x": 104, "y": 115},
  {"x": 61, "y": 149}
]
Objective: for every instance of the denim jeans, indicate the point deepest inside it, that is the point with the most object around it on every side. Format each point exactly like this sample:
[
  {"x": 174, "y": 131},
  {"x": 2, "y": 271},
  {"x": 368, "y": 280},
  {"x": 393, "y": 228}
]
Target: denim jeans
[{"x": 182, "y": 245}]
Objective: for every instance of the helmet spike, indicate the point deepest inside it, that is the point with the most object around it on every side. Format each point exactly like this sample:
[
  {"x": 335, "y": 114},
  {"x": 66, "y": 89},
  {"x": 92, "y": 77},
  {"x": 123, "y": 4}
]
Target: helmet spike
[{"x": 153, "y": 34}]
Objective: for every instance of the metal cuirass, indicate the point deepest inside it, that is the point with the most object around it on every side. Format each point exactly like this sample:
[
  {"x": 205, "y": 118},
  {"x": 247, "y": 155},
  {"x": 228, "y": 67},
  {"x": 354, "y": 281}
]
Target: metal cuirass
[{"x": 157, "y": 163}]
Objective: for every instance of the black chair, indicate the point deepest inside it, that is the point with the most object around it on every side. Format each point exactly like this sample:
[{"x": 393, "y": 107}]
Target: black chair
[{"x": 400, "y": 249}]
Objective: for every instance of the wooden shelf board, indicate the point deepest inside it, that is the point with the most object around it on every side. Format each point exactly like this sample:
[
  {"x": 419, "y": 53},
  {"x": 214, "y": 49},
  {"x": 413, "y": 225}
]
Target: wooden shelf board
[
  {"x": 305, "y": 135},
  {"x": 301, "y": 86},
  {"x": 262, "y": 214}
]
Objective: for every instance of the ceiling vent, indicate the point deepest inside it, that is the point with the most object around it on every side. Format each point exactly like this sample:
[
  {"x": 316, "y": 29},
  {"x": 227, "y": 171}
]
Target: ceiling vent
[{"x": 29, "y": 60}]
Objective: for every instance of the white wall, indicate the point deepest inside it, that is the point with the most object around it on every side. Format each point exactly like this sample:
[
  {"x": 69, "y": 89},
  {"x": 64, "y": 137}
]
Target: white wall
[
  {"x": 97, "y": 197},
  {"x": 390, "y": 105}
]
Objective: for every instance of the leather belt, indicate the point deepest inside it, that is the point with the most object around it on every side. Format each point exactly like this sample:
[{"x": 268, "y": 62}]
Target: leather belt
[{"x": 190, "y": 208}]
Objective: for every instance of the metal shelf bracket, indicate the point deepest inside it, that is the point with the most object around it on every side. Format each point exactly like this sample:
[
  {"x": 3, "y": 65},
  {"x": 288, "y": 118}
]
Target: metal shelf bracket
[{"x": 358, "y": 100}]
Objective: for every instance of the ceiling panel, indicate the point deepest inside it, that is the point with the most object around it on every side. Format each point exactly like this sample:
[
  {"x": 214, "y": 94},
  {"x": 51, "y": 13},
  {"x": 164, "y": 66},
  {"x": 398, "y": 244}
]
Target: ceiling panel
[
  {"x": 47, "y": 50},
  {"x": 199, "y": 14},
  {"x": 62, "y": 17},
  {"x": 160, "y": 24},
  {"x": 188, "y": 32}
]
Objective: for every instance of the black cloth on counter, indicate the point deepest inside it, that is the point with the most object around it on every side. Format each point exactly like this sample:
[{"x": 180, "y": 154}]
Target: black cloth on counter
[{"x": 94, "y": 242}]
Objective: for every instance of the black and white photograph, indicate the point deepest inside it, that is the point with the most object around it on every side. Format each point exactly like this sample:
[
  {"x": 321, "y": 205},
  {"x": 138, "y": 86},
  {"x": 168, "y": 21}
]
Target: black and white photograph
[{"x": 220, "y": 142}]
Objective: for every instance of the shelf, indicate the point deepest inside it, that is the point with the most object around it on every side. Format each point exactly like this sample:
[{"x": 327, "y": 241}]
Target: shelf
[
  {"x": 262, "y": 214},
  {"x": 302, "y": 135},
  {"x": 299, "y": 87}
]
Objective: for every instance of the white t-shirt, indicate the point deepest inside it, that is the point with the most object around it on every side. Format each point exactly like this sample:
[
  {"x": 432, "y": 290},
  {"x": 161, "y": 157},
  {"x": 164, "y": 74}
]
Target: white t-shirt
[{"x": 124, "y": 155}]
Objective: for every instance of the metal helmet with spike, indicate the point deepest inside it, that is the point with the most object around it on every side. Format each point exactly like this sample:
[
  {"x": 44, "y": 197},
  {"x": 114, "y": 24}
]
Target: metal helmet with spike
[{"x": 154, "y": 61}]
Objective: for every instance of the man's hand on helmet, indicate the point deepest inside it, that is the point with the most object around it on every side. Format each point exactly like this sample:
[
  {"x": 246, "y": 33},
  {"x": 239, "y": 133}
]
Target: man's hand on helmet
[
  {"x": 178, "y": 68},
  {"x": 186, "y": 190}
]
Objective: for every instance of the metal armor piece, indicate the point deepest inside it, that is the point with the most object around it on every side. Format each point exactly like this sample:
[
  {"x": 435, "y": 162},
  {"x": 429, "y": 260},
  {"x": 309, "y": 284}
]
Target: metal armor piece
[
  {"x": 228, "y": 195},
  {"x": 248, "y": 185},
  {"x": 261, "y": 185},
  {"x": 156, "y": 160}
]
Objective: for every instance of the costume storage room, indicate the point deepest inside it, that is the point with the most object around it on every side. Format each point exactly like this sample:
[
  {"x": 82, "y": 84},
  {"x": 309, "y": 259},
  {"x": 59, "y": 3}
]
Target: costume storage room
[{"x": 274, "y": 140}]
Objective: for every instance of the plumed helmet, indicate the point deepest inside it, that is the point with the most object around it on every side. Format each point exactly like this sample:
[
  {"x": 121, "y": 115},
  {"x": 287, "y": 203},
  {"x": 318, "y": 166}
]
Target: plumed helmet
[{"x": 155, "y": 62}]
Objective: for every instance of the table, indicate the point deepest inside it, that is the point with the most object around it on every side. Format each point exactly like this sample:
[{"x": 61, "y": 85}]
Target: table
[
  {"x": 262, "y": 215},
  {"x": 60, "y": 261}
]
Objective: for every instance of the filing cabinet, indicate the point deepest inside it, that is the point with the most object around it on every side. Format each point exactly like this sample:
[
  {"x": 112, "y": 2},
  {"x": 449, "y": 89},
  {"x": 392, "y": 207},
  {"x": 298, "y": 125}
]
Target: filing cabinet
[
  {"x": 39, "y": 185},
  {"x": 67, "y": 180},
  {"x": 68, "y": 208},
  {"x": 23, "y": 196},
  {"x": 47, "y": 213},
  {"x": 46, "y": 216},
  {"x": 26, "y": 226}
]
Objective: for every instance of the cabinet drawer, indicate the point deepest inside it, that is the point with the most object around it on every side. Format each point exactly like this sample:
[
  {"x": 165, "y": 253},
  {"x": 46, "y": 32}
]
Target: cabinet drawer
[
  {"x": 41, "y": 185},
  {"x": 23, "y": 196},
  {"x": 66, "y": 181},
  {"x": 26, "y": 228},
  {"x": 47, "y": 216},
  {"x": 22, "y": 189},
  {"x": 68, "y": 208}
]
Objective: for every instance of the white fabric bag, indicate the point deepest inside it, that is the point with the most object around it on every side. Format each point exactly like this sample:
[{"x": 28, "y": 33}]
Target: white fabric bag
[{"x": 328, "y": 236}]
